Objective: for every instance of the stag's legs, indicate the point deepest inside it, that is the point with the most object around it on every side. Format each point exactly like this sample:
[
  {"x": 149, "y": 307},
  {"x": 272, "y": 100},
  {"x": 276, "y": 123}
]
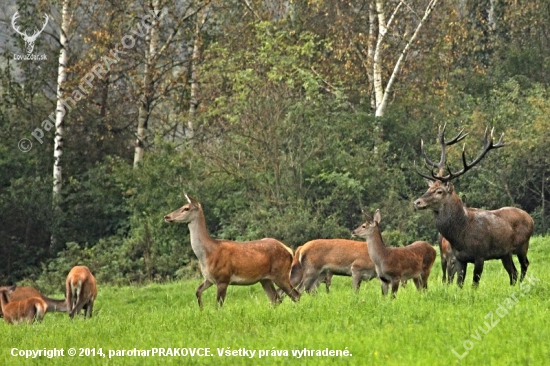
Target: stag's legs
[
  {"x": 221, "y": 290},
  {"x": 444, "y": 269},
  {"x": 461, "y": 271},
  {"x": 524, "y": 263},
  {"x": 478, "y": 270},
  {"x": 203, "y": 286},
  {"x": 509, "y": 266},
  {"x": 80, "y": 303},
  {"x": 88, "y": 309},
  {"x": 451, "y": 270}
]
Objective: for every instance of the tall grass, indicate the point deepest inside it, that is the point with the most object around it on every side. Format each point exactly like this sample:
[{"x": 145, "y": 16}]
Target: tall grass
[{"x": 443, "y": 326}]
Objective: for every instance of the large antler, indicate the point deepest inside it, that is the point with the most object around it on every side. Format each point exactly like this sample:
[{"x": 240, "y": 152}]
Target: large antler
[{"x": 487, "y": 145}]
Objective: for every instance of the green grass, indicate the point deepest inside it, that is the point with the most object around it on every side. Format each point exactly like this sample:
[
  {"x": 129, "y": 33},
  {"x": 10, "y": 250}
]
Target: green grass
[{"x": 414, "y": 329}]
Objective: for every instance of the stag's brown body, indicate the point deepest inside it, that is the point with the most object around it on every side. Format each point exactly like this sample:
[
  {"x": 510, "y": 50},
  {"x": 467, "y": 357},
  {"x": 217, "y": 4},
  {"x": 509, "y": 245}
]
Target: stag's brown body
[
  {"x": 23, "y": 293},
  {"x": 27, "y": 310},
  {"x": 475, "y": 235},
  {"x": 317, "y": 258},
  {"x": 397, "y": 264},
  {"x": 226, "y": 262},
  {"x": 448, "y": 265},
  {"x": 81, "y": 291}
]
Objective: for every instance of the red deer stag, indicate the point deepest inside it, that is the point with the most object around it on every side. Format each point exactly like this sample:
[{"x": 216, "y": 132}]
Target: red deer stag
[
  {"x": 226, "y": 262},
  {"x": 448, "y": 265},
  {"x": 81, "y": 291},
  {"x": 23, "y": 293},
  {"x": 475, "y": 235},
  {"x": 27, "y": 310},
  {"x": 321, "y": 257},
  {"x": 397, "y": 264}
]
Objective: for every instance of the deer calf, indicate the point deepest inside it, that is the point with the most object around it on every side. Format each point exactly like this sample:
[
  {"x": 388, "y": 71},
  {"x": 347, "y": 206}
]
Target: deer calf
[
  {"x": 81, "y": 291},
  {"x": 394, "y": 265},
  {"x": 319, "y": 258},
  {"x": 226, "y": 262},
  {"x": 448, "y": 265},
  {"x": 27, "y": 310}
]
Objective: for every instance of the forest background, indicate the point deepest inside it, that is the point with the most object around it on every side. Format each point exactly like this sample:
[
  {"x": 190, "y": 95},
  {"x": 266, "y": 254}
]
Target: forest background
[{"x": 284, "y": 118}]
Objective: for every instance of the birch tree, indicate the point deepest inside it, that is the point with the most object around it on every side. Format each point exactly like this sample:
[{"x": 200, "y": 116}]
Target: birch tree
[
  {"x": 60, "y": 111},
  {"x": 153, "y": 73},
  {"x": 382, "y": 92}
]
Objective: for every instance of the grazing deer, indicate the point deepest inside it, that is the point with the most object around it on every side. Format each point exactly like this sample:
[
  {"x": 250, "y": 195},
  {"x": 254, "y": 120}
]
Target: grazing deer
[
  {"x": 81, "y": 291},
  {"x": 475, "y": 235},
  {"x": 448, "y": 265},
  {"x": 27, "y": 310},
  {"x": 397, "y": 264},
  {"x": 296, "y": 275},
  {"x": 318, "y": 258},
  {"x": 23, "y": 293},
  {"x": 226, "y": 262}
]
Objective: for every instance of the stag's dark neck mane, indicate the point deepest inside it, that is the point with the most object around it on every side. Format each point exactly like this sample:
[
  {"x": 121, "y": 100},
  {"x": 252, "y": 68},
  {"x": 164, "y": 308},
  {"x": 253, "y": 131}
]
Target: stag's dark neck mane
[{"x": 451, "y": 220}]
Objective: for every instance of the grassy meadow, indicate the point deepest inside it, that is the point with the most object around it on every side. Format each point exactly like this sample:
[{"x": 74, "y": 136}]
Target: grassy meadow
[{"x": 494, "y": 325}]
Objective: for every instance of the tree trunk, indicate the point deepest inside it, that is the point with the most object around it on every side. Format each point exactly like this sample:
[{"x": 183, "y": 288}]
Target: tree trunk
[
  {"x": 147, "y": 88},
  {"x": 60, "y": 108},
  {"x": 193, "y": 103}
]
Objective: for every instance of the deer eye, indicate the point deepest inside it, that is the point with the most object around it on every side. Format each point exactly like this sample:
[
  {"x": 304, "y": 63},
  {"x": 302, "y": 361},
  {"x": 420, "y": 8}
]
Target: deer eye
[
  {"x": 439, "y": 191},
  {"x": 186, "y": 209}
]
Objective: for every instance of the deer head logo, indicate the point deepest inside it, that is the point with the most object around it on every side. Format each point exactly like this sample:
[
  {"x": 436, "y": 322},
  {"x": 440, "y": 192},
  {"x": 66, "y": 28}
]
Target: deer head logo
[{"x": 29, "y": 40}]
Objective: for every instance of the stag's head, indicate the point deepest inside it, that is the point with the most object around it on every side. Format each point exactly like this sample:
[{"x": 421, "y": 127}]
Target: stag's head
[
  {"x": 186, "y": 213},
  {"x": 439, "y": 180},
  {"x": 29, "y": 40},
  {"x": 368, "y": 227}
]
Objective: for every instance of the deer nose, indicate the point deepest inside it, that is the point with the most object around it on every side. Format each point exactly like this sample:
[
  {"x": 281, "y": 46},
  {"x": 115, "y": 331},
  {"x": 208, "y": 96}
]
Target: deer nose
[{"x": 418, "y": 203}]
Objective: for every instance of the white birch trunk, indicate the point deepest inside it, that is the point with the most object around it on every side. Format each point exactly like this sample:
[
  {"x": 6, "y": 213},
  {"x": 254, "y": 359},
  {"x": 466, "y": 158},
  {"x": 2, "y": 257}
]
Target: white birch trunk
[{"x": 60, "y": 111}]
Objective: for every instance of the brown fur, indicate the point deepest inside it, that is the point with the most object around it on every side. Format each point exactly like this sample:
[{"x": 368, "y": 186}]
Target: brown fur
[
  {"x": 225, "y": 262},
  {"x": 478, "y": 235},
  {"x": 397, "y": 264},
  {"x": 448, "y": 265},
  {"x": 81, "y": 291},
  {"x": 27, "y": 310},
  {"x": 23, "y": 293},
  {"x": 317, "y": 259}
]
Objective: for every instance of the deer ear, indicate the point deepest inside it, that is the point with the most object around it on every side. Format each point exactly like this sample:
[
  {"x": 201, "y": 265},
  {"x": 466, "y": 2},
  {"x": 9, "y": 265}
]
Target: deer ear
[
  {"x": 430, "y": 182},
  {"x": 11, "y": 289},
  {"x": 449, "y": 187},
  {"x": 377, "y": 216}
]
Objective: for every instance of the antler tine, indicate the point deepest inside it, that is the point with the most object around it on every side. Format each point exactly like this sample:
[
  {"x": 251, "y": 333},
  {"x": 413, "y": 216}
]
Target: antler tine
[
  {"x": 433, "y": 178},
  {"x": 13, "y": 24},
  {"x": 487, "y": 145}
]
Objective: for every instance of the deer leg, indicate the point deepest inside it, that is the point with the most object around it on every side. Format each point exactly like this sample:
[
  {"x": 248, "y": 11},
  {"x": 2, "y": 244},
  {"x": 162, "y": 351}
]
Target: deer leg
[
  {"x": 509, "y": 266},
  {"x": 221, "y": 292},
  {"x": 269, "y": 289},
  {"x": 478, "y": 270},
  {"x": 385, "y": 286},
  {"x": 394, "y": 286},
  {"x": 309, "y": 281},
  {"x": 451, "y": 270},
  {"x": 328, "y": 281},
  {"x": 203, "y": 286},
  {"x": 444, "y": 269},
  {"x": 418, "y": 283},
  {"x": 356, "y": 279},
  {"x": 461, "y": 272},
  {"x": 524, "y": 263}
]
